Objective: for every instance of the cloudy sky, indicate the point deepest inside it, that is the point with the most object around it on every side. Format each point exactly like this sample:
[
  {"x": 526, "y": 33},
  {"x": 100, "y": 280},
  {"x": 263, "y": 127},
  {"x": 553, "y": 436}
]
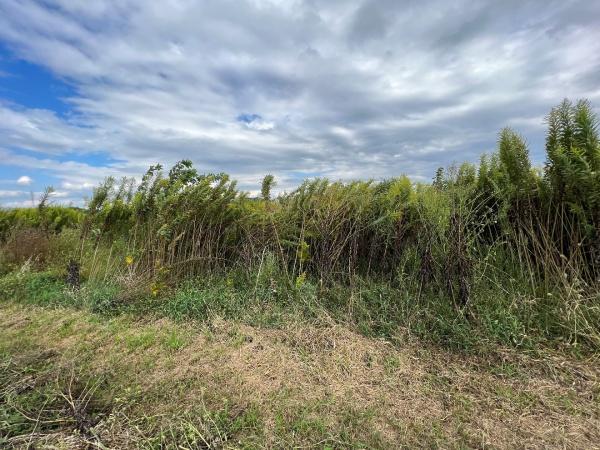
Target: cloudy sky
[{"x": 297, "y": 88}]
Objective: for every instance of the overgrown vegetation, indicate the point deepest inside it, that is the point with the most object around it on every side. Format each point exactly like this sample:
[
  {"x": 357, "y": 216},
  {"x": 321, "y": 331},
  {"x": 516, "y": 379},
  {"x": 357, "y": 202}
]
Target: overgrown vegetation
[
  {"x": 181, "y": 313},
  {"x": 501, "y": 252}
]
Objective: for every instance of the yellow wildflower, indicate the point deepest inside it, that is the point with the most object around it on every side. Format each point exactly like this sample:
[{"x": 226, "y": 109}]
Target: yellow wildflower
[{"x": 129, "y": 260}]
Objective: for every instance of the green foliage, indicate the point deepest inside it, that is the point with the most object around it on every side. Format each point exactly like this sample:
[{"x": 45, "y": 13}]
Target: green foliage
[
  {"x": 52, "y": 218},
  {"x": 33, "y": 287},
  {"x": 475, "y": 253},
  {"x": 574, "y": 153},
  {"x": 267, "y": 185},
  {"x": 514, "y": 162}
]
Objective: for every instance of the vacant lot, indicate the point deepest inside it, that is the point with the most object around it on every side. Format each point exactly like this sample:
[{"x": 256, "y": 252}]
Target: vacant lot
[{"x": 71, "y": 379}]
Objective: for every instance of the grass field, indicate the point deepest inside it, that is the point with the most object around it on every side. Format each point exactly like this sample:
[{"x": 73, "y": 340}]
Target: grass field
[{"x": 70, "y": 378}]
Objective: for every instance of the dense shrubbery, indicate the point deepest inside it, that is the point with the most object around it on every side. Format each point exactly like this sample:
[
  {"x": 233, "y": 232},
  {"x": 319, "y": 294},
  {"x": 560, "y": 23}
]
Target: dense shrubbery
[
  {"x": 501, "y": 250},
  {"x": 52, "y": 219},
  {"x": 35, "y": 235}
]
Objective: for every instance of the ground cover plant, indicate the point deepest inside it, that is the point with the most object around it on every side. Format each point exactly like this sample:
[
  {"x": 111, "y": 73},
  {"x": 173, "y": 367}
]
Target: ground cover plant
[{"x": 495, "y": 265}]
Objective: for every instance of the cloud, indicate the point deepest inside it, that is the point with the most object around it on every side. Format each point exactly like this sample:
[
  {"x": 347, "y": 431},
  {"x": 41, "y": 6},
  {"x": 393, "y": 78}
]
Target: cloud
[
  {"x": 73, "y": 176},
  {"x": 24, "y": 180},
  {"x": 16, "y": 198},
  {"x": 7, "y": 194},
  {"x": 44, "y": 131},
  {"x": 369, "y": 89},
  {"x": 255, "y": 122}
]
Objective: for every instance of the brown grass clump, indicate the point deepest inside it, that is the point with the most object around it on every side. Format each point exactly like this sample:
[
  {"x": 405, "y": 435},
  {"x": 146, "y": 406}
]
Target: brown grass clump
[{"x": 28, "y": 244}]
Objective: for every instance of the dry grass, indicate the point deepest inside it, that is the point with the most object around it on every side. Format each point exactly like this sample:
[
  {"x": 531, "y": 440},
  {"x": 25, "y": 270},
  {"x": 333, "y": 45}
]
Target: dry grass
[
  {"x": 29, "y": 244},
  {"x": 396, "y": 396}
]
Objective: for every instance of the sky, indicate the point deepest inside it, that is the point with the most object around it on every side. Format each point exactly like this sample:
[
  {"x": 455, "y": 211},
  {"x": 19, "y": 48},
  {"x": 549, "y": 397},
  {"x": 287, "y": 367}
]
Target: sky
[{"x": 365, "y": 89}]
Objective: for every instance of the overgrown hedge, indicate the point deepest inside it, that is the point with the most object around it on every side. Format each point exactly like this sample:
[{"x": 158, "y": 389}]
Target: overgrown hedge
[{"x": 500, "y": 245}]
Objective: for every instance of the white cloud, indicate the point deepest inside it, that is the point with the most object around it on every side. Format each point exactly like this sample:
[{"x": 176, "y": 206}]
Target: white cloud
[
  {"x": 370, "y": 90},
  {"x": 260, "y": 125},
  {"x": 24, "y": 180},
  {"x": 77, "y": 186},
  {"x": 15, "y": 199},
  {"x": 7, "y": 194},
  {"x": 19, "y": 204}
]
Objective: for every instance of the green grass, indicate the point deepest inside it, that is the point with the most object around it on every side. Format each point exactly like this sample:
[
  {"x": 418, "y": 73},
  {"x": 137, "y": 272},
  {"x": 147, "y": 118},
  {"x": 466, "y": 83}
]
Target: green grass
[
  {"x": 374, "y": 308},
  {"x": 171, "y": 384}
]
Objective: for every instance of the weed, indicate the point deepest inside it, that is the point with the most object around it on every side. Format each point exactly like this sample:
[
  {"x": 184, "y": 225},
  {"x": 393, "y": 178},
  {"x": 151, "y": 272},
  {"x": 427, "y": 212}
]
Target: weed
[{"x": 174, "y": 341}]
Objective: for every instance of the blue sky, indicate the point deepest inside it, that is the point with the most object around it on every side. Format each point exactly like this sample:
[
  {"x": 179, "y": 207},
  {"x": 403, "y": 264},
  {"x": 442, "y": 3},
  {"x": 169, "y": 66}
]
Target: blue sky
[
  {"x": 342, "y": 89},
  {"x": 32, "y": 86}
]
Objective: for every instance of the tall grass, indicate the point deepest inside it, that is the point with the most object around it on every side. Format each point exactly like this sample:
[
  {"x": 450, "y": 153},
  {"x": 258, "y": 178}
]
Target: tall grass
[{"x": 501, "y": 249}]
